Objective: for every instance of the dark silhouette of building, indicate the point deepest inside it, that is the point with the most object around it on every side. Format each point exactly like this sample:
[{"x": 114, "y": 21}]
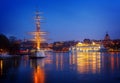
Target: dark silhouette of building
[{"x": 107, "y": 37}]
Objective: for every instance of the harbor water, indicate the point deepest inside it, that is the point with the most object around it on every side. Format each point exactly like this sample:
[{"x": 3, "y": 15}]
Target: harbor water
[{"x": 88, "y": 67}]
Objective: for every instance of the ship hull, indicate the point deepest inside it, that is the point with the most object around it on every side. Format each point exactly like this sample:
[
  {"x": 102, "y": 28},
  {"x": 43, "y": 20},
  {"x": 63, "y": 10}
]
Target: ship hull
[{"x": 38, "y": 54}]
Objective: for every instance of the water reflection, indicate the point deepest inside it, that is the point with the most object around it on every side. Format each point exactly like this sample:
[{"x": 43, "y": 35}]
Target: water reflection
[
  {"x": 39, "y": 76},
  {"x": 82, "y": 62},
  {"x": 61, "y": 61},
  {"x": 88, "y": 62},
  {"x": 62, "y": 68},
  {"x": 7, "y": 66},
  {"x": 38, "y": 70},
  {"x": 110, "y": 61},
  {"x": 1, "y": 67}
]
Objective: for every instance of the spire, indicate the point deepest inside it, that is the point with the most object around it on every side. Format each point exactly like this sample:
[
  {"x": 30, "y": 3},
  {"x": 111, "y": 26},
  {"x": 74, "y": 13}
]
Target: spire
[{"x": 107, "y": 37}]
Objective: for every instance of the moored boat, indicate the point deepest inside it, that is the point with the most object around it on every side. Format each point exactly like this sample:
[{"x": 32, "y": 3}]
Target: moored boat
[
  {"x": 38, "y": 38},
  {"x": 38, "y": 54}
]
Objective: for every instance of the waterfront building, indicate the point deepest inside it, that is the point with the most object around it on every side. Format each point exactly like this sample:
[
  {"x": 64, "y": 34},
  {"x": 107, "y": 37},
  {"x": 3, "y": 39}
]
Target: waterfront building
[
  {"x": 83, "y": 47},
  {"x": 63, "y": 46}
]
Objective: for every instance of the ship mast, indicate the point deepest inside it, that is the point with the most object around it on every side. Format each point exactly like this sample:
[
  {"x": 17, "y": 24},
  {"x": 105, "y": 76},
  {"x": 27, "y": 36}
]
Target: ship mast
[
  {"x": 38, "y": 35},
  {"x": 38, "y": 38}
]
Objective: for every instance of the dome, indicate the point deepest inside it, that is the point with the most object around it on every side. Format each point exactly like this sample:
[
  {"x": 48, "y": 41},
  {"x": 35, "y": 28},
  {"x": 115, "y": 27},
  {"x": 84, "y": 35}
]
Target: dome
[{"x": 107, "y": 37}]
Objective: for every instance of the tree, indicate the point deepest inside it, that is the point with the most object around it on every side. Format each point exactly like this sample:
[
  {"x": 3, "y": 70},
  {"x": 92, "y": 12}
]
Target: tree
[
  {"x": 14, "y": 45},
  {"x": 4, "y": 43}
]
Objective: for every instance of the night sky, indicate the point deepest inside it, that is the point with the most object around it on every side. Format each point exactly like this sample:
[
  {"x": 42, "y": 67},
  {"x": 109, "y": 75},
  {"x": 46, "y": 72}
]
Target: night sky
[{"x": 63, "y": 19}]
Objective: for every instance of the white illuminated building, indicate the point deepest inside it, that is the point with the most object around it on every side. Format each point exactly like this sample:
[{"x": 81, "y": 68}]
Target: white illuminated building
[{"x": 82, "y": 47}]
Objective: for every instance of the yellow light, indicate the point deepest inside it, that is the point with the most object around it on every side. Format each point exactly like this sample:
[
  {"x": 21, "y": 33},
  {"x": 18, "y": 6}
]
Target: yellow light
[
  {"x": 93, "y": 43},
  {"x": 80, "y": 43}
]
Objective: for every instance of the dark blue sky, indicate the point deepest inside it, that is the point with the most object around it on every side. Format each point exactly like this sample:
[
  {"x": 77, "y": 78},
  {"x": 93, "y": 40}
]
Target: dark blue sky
[{"x": 64, "y": 19}]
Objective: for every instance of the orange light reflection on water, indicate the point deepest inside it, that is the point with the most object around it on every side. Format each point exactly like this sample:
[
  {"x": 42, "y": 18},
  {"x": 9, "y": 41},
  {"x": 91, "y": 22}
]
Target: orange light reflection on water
[
  {"x": 1, "y": 67},
  {"x": 39, "y": 76}
]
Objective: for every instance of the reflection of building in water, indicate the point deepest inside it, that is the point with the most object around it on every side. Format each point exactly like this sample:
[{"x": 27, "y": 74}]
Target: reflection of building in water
[
  {"x": 83, "y": 47},
  {"x": 25, "y": 60},
  {"x": 49, "y": 59},
  {"x": 64, "y": 61},
  {"x": 83, "y": 62},
  {"x": 72, "y": 59},
  {"x": 113, "y": 59},
  {"x": 88, "y": 62},
  {"x": 59, "y": 61},
  {"x": 6, "y": 65}
]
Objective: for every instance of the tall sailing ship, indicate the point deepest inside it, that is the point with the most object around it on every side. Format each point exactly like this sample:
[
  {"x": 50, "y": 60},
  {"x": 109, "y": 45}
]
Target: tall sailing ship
[{"x": 38, "y": 38}]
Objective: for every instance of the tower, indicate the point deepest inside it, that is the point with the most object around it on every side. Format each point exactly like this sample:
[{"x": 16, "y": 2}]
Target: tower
[{"x": 107, "y": 37}]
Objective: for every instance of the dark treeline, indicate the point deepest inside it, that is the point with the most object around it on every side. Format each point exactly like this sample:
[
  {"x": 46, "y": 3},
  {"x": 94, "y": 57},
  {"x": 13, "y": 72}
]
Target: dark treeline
[
  {"x": 9, "y": 45},
  {"x": 4, "y": 43}
]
